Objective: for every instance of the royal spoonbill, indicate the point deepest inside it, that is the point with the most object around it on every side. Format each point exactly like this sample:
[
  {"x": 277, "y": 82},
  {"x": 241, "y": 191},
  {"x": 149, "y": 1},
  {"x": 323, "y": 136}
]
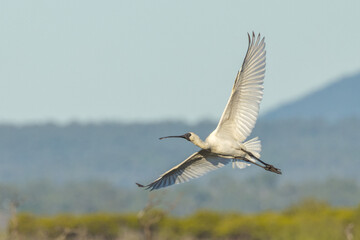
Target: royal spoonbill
[{"x": 226, "y": 143}]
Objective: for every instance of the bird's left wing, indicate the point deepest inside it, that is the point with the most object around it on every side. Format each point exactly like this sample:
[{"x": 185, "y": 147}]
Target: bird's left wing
[
  {"x": 241, "y": 111},
  {"x": 193, "y": 167}
]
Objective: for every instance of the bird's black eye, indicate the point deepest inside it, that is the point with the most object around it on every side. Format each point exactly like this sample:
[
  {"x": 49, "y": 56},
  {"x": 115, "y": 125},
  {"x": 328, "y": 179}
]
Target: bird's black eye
[{"x": 187, "y": 136}]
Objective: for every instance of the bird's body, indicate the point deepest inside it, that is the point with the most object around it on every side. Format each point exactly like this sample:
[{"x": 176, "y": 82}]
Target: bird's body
[{"x": 227, "y": 142}]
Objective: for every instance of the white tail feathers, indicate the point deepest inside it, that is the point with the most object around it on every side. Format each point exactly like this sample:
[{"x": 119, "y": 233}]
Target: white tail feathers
[{"x": 253, "y": 146}]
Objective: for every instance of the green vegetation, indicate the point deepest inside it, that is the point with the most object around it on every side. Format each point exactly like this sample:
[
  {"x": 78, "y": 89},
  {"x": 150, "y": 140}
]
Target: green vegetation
[
  {"x": 307, "y": 220},
  {"x": 99, "y": 224}
]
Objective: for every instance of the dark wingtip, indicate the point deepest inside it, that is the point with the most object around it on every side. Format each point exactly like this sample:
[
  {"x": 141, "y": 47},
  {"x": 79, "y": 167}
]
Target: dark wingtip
[{"x": 139, "y": 185}]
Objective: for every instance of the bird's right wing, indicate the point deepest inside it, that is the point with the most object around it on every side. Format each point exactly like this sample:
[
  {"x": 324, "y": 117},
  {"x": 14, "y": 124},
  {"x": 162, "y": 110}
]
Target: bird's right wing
[
  {"x": 241, "y": 111},
  {"x": 193, "y": 167}
]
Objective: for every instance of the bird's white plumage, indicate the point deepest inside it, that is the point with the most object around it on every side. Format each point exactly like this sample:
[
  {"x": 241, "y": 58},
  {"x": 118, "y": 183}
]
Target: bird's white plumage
[
  {"x": 241, "y": 111},
  {"x": 193, "y": 167},
  {"x": 254, "y": 146},
  {"x": 225, "y": 143}
]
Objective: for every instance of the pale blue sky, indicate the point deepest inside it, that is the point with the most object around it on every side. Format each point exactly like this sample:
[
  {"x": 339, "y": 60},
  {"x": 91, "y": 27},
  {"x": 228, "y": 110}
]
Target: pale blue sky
[{"x": 153, "y": 60}]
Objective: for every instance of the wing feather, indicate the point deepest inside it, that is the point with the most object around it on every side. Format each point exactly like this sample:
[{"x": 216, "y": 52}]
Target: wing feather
[
  {"x": 242, "y": 109},
  {"x": 194, "y": 166}
]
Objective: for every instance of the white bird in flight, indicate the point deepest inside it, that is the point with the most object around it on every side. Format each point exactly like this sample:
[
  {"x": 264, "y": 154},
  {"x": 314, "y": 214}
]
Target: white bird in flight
[{"x": 226, "y": 143}]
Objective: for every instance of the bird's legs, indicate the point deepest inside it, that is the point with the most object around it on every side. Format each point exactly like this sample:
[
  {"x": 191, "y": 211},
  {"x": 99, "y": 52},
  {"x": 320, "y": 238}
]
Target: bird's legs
[{"x": 267, "y": 167}]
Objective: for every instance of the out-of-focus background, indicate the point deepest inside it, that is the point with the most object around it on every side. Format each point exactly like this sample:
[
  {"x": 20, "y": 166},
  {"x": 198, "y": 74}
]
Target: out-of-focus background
[{"x": 87, "y": 87}]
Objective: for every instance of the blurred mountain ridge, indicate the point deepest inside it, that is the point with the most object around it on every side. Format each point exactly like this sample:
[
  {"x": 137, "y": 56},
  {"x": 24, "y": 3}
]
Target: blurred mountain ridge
[{"x": 337, "y": 100}]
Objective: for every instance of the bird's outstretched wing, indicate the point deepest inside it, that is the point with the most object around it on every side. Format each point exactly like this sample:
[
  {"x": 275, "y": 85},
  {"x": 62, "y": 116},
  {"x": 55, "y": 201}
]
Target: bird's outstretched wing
[
  {"x": 193, "y": 167},
  {"x": 241, "y": 111}
]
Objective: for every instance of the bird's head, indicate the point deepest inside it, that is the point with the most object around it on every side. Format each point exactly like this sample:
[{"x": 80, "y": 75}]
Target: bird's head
[{"x": 190, "y": 136}]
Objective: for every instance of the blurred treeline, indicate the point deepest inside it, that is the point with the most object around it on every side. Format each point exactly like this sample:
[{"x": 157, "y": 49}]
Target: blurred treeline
[
  {"x": 223, "y": 193},
  {"x": 307, "y": 220},
  {"x": 126, "y": 153}
]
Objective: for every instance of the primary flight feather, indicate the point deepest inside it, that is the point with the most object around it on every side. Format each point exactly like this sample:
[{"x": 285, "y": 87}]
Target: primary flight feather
[{"x": 226, "y": 143}]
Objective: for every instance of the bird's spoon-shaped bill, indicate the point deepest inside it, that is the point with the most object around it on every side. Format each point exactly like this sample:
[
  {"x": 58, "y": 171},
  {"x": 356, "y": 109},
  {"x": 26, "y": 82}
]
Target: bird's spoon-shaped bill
[{"x": 181, "y": 136}]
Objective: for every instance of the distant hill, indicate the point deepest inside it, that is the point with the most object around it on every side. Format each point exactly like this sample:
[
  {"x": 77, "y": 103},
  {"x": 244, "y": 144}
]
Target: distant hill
[
  {"x": 338, "y": 100},
  {"x": 127, "y": 153}
]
